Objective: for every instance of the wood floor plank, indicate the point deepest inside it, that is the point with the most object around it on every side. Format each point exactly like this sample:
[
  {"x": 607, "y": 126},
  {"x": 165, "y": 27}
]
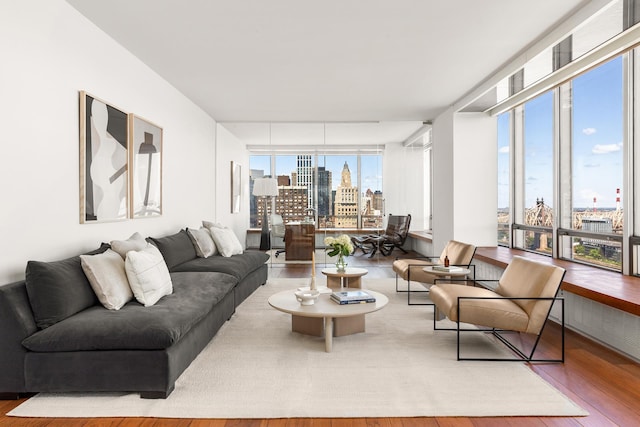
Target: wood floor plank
[{"x": 603, "y": 382}]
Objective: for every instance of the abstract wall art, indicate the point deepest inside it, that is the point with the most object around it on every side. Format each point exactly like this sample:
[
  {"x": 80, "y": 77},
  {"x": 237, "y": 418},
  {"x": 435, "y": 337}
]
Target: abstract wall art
[
  {"x": 103, "y": 161},
  {"x": 145, "y": 158}
]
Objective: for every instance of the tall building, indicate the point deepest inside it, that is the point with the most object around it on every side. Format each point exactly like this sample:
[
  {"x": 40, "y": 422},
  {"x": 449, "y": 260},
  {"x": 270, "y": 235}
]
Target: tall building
[
  {"x": 292, "y": 202},
  {"x": 346, "y": 205},
  {"x": 304, "y": 176},
  {"x": 283, "y": 180},
  {"x": 325, "y": 194}
]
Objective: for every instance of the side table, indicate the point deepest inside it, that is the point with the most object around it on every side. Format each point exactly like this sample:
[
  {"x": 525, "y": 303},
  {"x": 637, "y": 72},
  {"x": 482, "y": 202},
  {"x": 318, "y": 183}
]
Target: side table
[{"x": 349, "y": 278}]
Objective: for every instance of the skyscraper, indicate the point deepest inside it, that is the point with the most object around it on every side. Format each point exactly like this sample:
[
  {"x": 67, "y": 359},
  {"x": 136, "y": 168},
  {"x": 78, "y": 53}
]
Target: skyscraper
[{"x": 346, "y": 205}]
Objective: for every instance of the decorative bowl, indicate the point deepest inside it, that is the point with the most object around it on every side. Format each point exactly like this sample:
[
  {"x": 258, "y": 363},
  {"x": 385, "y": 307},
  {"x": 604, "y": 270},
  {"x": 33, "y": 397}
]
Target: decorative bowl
[{"x": 307, "y": 297}]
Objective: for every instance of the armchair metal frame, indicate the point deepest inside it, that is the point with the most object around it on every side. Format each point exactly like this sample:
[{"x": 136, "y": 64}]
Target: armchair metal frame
[
  {"x": 499, "y": 333},
  {"x": 450, "y": 245}
]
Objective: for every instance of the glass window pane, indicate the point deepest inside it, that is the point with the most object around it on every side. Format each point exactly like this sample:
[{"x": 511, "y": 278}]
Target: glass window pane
[
  {"x": 504, "y": 143},
  {"x": 371, "y": 197},
  {"x": 294, "y": 186},
  {"x": 538, "y": 161},
  {"x": 597, "y": 161},
  {"x": 260, "y": 166},
  {"x": 339, "y": 200}
]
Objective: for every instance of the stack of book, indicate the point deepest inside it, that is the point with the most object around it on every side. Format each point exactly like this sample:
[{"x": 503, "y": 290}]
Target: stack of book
[
  {"x": 352, "y": 297},
  {"x": 448, "y": 269}
]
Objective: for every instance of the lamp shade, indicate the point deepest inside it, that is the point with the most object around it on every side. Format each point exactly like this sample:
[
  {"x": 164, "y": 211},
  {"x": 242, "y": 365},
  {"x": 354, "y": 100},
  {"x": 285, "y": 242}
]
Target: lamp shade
[{"x": 265, "y": 187}]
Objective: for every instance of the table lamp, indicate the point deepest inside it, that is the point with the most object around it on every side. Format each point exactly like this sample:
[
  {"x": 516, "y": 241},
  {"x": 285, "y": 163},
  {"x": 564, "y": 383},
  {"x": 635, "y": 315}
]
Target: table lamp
[{"x": 265, "y": 187}]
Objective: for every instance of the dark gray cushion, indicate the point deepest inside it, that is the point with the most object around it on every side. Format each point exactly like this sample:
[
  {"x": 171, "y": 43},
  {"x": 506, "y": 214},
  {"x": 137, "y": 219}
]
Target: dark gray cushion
[
  {"x": 135, "y": 327},
  {"x": 176, "y": 248},
  {"x": 59, "y": 289},
  {"x": 238, "y": 266}
]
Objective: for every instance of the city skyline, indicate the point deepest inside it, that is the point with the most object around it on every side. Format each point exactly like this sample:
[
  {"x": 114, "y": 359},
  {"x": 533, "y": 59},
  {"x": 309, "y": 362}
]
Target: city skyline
[{"x": 371, "y": 167}]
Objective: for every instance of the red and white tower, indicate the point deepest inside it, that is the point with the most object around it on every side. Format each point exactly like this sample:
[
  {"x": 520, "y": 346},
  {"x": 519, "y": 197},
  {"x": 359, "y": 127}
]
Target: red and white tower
[
  {"x": 617, "y": 199},
  {"x": 594, "y": 205}
]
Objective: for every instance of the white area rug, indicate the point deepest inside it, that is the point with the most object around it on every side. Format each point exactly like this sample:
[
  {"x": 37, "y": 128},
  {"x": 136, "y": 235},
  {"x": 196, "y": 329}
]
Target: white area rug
[{"x": 255, "y": 367}]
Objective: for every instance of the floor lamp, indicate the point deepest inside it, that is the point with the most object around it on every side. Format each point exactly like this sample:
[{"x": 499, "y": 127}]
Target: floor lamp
[{"x": 265, "y": 188}]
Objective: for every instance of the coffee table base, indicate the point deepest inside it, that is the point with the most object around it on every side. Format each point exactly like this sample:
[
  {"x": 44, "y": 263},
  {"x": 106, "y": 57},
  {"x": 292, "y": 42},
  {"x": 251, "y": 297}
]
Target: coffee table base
[{"x": 315, "y": 326}]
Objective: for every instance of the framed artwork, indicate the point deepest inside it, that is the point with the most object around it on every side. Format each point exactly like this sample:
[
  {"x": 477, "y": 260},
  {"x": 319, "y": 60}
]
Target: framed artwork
[
  {"x": 236, "y": 186},
  {"x": 103, "y": 161},
  {"x": 145, "y": 158}
]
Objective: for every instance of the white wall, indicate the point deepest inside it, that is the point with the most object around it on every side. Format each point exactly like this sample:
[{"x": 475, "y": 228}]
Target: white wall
[
  {"x": 403, "y": 184},
  {"x": 49, "y": 53},
  {"x": 464, "y": 179},
  {"x": 228, "y": 149},
  {"x": 442, "y": 152},
  {"x": 475, "y": 179}
]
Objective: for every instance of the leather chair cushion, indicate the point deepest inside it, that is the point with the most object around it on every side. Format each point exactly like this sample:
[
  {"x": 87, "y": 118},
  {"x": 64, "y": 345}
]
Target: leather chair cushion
[{"x": 496, "y": 313}]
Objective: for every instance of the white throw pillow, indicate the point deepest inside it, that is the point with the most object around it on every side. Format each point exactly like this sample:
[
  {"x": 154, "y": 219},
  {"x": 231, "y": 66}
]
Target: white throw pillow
[
  {"x": 134, "y": 243},
  {"x": 108, "y": 278},
  {"x": 209, "y": 225},
  {"x": 148, "y": 275},
  {"x": 202, "y": 242},
  {"x": 226, "y": 241}
]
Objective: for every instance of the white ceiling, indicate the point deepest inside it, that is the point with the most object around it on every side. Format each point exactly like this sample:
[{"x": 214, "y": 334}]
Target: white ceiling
[{"x": 366, "y": 61}]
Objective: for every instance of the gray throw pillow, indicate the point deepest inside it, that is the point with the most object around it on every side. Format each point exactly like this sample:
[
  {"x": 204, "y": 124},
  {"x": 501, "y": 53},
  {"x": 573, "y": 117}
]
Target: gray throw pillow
[
  {"x": 58, "y": 289},
  {"x": 176, "y": 248}
]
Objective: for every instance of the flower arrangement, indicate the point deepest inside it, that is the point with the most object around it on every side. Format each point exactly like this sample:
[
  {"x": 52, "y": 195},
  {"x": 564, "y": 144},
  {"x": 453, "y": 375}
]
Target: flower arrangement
[{"x": 340, "y": 246}]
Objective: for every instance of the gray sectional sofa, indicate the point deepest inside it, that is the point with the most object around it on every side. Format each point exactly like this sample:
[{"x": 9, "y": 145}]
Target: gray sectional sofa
[{"x": 83, "y": 347}]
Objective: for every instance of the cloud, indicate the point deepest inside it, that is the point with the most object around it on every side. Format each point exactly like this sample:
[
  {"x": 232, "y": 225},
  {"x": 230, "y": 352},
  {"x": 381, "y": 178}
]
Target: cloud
[
  {"x": 606, "y": 148},
  {"x": 503, "y": 150},
  {"x": 592, "y": 165},
  {"x": 589, "y": 131}
]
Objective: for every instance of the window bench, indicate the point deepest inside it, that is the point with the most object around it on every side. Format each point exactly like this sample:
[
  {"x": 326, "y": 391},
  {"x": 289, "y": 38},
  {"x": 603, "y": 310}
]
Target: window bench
[{"x": 603, "y": 286}]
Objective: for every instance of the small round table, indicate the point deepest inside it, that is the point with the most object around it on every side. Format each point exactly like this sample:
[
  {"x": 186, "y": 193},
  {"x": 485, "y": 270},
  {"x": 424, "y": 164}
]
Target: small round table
[
  {"x": 449, "y": 274},
  {"x": 349, "y": 278},
  {"x": 318, "y": 319}
]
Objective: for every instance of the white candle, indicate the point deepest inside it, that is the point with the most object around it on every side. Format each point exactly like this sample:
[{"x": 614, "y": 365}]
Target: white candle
[{"x": 313, "y": 264}]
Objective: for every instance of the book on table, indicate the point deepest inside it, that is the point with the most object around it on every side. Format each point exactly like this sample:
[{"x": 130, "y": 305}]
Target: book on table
[
  {"x": 352, "y": 297},
  {"x": 447, "y": 269}
]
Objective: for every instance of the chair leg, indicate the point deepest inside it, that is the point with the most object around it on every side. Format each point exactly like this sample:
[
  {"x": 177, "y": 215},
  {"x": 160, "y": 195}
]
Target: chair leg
[
  {"x": 358, "y": 245},
  {"x": 373, "y": 251},
  {"x": 521, "y": 356},
  {"x": 409, "y": 291}
]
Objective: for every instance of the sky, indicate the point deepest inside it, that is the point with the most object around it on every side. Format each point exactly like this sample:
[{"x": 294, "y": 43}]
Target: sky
[{"x": 597, "y": 131}]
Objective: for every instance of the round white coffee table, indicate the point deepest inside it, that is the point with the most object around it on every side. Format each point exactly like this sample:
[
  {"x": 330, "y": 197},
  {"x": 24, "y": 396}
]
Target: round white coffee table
[
  {"x": 304, "y": 318},
  {"x": 349, "y": 278}
]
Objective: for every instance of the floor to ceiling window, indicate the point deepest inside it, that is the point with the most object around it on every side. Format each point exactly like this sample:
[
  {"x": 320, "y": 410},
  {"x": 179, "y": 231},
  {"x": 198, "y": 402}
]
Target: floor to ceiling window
[
  {"x": 504, "y": 173},
  {"x": 341, "y": 191},
  {"x": 596, "y": 166},
  {"x": 537, "y": 208}
]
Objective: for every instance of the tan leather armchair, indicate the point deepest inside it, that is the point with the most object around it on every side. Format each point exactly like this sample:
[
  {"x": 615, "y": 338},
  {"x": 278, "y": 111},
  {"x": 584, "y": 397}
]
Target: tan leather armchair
[
  {"x": 459, "y": 254},
  {"x": 521, "y": 302}
]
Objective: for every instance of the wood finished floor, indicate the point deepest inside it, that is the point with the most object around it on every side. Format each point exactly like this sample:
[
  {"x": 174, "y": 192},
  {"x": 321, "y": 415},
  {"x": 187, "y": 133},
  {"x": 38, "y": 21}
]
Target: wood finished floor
[{"x": 604, "y": 383}]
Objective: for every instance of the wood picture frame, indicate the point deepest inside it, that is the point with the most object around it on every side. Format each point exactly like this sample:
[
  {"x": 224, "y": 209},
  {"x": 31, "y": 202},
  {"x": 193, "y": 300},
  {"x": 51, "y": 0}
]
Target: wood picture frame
[
  {"x": 104, "y": 143},
  {"x": 145, "y": 159}
]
